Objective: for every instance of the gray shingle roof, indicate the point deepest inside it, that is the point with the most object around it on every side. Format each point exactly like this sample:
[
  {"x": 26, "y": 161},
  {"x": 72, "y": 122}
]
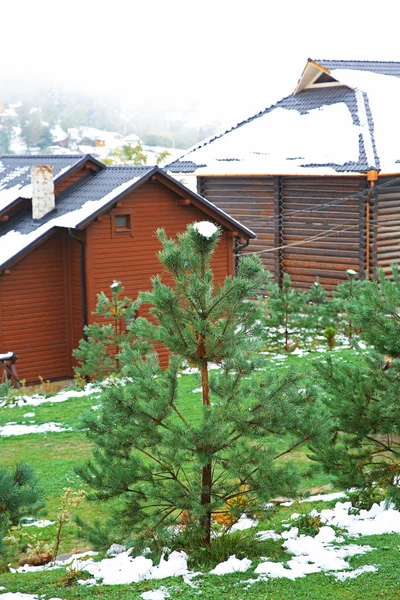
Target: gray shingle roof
[
  {"x": 235, "y": 151},
  {"x": 93, "y": 188},
  {"x": 79, "y": 204},
  {"x": 303, "y": 103},
  {"x": 15, "y": 170},
  {"x": 382, "y": 68},
  {"x": 15, "y": 173}
]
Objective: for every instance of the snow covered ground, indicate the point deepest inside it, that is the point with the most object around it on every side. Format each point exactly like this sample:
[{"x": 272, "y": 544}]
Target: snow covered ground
[
  {"x": 327, "y": 552},
  {"x": 38, "y": 399},
  {"x": 16, "y": 429}
]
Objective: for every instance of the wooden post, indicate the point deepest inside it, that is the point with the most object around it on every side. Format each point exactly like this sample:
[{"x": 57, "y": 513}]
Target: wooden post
[
  {"x": 278, "y": 225},
  {"x": 372, "y": 176}
]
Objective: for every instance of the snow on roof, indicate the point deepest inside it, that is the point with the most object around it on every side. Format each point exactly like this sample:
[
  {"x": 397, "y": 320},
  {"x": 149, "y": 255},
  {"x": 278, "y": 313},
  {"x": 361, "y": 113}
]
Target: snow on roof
[
  {"x": 284, "y": 141},
  {"x": 15, "y": 174},
  {"x": 383, "y": 94},
  {"x": 350, "y": 127},
  {"x": 77, "y": 205},
  {"x": 14, "y": 242}
]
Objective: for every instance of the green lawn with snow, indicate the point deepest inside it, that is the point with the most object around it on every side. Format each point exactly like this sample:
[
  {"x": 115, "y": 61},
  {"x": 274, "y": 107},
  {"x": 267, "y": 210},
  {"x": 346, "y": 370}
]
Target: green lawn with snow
[{"x": 54, "y": 456}]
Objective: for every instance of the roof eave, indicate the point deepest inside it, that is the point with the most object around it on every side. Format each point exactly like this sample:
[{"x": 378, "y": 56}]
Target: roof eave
[{"x": 236, "y": 225}]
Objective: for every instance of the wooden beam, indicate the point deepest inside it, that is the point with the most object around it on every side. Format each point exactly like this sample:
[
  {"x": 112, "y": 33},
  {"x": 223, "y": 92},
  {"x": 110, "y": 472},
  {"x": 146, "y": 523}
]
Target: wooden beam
[
  {"x": 231, "y": 234},
  {"x": 3, "y": 218},
  {"x": 183, "y": 202}
]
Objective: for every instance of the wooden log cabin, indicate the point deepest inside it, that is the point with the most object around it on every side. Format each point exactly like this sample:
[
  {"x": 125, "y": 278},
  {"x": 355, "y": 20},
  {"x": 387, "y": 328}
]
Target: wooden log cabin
[
  {"x": 316, "y": 176},
  {"x": 69, "y": 226}
]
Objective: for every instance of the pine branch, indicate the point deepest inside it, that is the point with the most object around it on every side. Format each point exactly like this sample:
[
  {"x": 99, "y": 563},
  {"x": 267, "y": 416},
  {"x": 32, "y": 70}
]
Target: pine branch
[
  {"x": 306, "y": 439},
  {"x": 378, "y": 442}
]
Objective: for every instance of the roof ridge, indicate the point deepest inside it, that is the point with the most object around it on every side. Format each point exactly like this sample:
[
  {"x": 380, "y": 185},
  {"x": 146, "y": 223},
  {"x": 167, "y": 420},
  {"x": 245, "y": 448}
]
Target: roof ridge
[
  {"x": 346, "y": 60},
  {"x": 211, "y": 139},
  {"x": 130, "y": 166},
  {"x": 38, "y": 156}
]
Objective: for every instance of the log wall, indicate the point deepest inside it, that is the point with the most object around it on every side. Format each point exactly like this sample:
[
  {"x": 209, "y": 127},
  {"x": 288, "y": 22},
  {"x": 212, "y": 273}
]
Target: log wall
[
  {"x": 253, "y": 202},
  {"x": 388, "y": 224},
  {"x": 270, "y": 207},
  {"x": 336, "y": 230}
]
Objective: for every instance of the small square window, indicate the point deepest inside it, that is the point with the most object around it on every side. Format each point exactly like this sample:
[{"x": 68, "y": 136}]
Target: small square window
[{"x": 122, "y": 223}]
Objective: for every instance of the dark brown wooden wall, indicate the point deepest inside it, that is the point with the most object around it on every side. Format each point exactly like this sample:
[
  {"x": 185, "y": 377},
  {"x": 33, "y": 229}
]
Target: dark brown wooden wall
[
  {"x": 250, "y": 200},
  {"x": 330, "y": 256},
  {"x": 255, "y": 200},
  {"x": 132, "y": 258},
  {"x": 388, "y": 224},
  {"x": 33, "y": 319}
]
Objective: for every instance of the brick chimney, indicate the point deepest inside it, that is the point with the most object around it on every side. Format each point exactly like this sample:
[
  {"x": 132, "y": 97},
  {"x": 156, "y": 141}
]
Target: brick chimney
[{"x": 43, "y": 199}]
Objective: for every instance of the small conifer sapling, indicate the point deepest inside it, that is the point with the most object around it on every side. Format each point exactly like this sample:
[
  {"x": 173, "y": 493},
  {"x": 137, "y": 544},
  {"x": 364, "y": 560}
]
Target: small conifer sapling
[
  {"x": 363, "y": 398},
  {"x": 171, "y": 461},
  {"x": 98, "y": 351}
]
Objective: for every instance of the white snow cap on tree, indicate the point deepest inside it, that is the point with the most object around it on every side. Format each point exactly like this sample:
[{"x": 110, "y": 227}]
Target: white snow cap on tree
[
  {"x": 206, "y": 228},
  {"x": 351, "y": 272}
]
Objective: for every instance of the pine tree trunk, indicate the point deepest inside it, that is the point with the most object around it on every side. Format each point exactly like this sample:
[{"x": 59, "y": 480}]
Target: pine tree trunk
[
  {"x": 206, "y": 479},
  {"x": 287, "y": 332}
]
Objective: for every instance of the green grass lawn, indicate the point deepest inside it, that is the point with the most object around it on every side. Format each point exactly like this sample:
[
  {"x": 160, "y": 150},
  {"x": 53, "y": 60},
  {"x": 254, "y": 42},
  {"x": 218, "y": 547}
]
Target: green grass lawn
[{"x": 55, "y": 455}]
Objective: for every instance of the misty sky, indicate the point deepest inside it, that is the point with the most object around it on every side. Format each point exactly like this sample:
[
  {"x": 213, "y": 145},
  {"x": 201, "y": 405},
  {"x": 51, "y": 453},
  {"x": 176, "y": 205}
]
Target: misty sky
[{"x": 223, "y": 60}]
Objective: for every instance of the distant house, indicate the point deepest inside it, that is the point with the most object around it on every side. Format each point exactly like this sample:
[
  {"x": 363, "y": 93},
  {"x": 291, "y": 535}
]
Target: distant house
[
  {"x": 316, "y": 175},
  {"x": 59, "y": 250}
]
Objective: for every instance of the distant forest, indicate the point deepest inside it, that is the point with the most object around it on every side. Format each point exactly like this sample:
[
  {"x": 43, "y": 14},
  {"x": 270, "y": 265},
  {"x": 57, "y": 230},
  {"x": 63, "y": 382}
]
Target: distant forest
[{"x": 155, "y": 126}]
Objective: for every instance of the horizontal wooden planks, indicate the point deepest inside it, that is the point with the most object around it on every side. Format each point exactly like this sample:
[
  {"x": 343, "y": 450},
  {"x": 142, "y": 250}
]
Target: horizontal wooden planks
[
  {"x": 388, "y": 224},
  {"x": 33, "y": 322},
  {"x": 132, "y": 259},
  {"x": 250, "y": 200},
  {"x": 319, "y": 241}
]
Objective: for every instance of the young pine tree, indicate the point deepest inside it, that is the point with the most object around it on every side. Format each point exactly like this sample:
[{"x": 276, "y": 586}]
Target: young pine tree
[
  {"x": 363, "y": 398},
  {"x": 285, "y": 306},
  {"x": 344, "y": 293},
  {"x": 173, "y": 459},
  {"x": 98, "y": 352},
  {"x": 19, "y": 495},
  {"x": 318, "y": 309}
]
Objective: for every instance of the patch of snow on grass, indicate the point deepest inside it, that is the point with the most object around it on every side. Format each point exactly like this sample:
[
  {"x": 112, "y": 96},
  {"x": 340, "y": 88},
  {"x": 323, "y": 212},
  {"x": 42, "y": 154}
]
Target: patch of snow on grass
[
  {"x": 39, "y": 523},
  {"x": 17, "y": 596},
  {"x": 232, "y": 565},
  {"x": 268, "y": 534},
  {"x": 375, "y": 521},
  {"x": 124, "y": 569},
  {"x": 38, "y": 399},
  {"x": 325, "y": 497},
  {"x": 353, "y": 574},
  {"x": 14, "y": 429},
  {"x": 159, "y": 594},
  {"x": 74, "y": 559},
  {"x": 243, "y": 523}
]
